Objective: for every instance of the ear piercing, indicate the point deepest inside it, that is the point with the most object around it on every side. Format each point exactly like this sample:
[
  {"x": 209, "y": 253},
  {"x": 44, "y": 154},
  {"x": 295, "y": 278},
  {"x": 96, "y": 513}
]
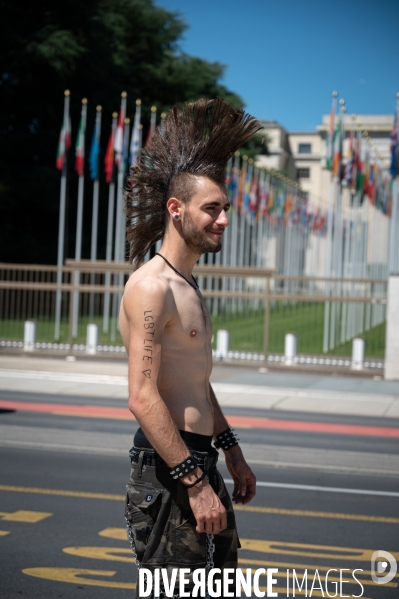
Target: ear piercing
[{"x": 176, "y": 216}]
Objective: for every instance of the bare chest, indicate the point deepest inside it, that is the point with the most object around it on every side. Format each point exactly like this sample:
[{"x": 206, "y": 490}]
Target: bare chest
[{"x": 191, "y": 326}]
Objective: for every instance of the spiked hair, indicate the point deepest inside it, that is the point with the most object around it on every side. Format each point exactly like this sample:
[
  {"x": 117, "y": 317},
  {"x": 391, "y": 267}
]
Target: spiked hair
[{"x": 196, "y": 139}]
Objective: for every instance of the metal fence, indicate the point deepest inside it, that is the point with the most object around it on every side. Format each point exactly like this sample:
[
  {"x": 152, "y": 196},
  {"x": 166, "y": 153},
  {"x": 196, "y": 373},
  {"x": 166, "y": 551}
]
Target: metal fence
[{"x": 256, "y": 306}]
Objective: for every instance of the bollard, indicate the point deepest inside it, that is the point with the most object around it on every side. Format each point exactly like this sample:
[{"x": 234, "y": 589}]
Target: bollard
[
  {"x": 290, "y": 345},
  {"x": 222, "y": 344},
  {"x": 92, "y": 338},
  {"x": 29, "y": 335},
  {"x": 357, "y": 354}
]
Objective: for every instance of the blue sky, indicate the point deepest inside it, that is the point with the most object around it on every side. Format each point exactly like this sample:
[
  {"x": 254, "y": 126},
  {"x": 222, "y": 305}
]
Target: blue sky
[{"x": 285, "y": 57}]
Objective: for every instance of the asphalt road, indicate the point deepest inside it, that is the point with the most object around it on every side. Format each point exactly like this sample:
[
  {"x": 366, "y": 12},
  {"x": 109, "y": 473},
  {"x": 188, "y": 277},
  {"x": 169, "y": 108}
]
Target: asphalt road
[{"x": 327, "y": 498}]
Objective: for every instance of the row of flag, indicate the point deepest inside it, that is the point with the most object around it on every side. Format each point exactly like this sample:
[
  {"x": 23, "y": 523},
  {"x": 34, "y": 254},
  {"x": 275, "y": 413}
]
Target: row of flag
[
  {"x": 119, "y": 152},
  {"x": 360, "y": 174},
  {"x": 256, "y": 193}
]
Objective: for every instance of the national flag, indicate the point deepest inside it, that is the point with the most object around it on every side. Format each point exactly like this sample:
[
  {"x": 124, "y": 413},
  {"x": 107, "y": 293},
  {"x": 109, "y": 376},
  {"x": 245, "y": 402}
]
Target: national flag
[
  {"x": 366, "y": 174},
  {"x": 125, "y": 150},
  {"x": 247, "y": 189},
  {"x": 371, "y": 185},
  {"x": 394, "y": 167},
  {"x": 109, "y": 154},
  {"x": 330, "y": 139},
  {"x": 80, "y": 143},
  {"x": 118, "y": 140},
  {"x": 95, "y": 147},
  {"x": 350, "y": 162},
  {"x": 241, "y": 187},
  {"x": 135, "y": 140},
  {"x": 153, "y": 124},
  {"x": 64, "y": 142},
  {"x": 337, "y": 148},
  {"x": 253, "y": 194}
]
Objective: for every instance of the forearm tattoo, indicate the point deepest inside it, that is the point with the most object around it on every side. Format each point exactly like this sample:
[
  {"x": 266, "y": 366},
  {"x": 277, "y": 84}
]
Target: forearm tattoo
[{"x": 149, "y": 326}]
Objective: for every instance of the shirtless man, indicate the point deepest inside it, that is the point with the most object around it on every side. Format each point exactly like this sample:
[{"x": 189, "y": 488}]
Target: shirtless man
[{"x": 167, "y": 333}]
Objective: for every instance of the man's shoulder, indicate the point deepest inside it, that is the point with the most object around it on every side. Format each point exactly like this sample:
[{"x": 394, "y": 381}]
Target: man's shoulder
[{"x": 146, "y": 286}]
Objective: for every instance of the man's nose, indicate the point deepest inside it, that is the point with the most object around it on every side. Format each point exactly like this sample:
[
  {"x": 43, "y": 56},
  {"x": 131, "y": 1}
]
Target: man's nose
[{"x": 222, "y": 219}]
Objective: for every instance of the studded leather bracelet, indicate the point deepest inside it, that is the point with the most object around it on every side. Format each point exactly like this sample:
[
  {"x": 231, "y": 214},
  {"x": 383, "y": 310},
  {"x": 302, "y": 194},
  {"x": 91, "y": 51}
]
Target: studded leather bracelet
[
  {"x": 226, "y": 439},
  {"x": 185, "y": 467}
]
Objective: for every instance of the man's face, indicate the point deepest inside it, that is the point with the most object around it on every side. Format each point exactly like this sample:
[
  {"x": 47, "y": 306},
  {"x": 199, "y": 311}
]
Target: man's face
[{"x": 205, "y": 218}]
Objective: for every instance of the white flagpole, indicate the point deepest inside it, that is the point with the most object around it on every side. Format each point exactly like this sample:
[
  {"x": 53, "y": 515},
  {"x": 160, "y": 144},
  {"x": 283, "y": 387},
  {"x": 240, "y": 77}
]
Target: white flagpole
[
  {"x": 79, "y": 227},
  {"x": 330, "y": 216},
  {"x": 61, "y": 222},
  {"x": 110, "y": 233},
  {"x": 94, "y": 221}
]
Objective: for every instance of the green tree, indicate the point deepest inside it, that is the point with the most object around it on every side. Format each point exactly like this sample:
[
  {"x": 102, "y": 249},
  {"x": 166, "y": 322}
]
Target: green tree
[{"x": 96, "y": 48}]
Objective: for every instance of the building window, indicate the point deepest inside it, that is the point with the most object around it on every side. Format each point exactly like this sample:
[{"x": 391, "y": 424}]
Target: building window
[
  {"x": 304, "y": 148},
  {"x": 303, "y": 173}
]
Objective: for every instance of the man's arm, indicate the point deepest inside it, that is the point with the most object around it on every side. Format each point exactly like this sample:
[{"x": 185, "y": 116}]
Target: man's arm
[
  {"x": 242, "y": 475},
  {"x": 149, "y": 308}
]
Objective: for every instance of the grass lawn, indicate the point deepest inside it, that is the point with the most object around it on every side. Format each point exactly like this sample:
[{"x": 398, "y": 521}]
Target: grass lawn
[{"x": 246, "y": 327}]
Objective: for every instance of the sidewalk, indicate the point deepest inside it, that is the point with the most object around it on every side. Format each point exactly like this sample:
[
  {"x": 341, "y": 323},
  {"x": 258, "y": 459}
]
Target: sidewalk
[{"x": 234, "y": 386}]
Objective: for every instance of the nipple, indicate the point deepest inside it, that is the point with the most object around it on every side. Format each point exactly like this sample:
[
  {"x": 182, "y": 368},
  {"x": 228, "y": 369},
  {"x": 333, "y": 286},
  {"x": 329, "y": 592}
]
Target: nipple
[{"x": 193, "y": 333}]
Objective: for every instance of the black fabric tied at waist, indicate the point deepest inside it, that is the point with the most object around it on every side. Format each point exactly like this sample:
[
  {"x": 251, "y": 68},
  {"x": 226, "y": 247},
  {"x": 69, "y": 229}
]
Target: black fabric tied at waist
[{"x": 149, "y": 457}]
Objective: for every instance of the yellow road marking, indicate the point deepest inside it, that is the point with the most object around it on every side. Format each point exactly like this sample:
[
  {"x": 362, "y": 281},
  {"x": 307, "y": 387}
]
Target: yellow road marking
[
  {"x": 62, "y": 493},
  {"x": 113, "y": 554},
  {"x": 24, "y": 516},
  {"x": 243, "y": 508},
  {"x": 113, "y": 533},
  {"x": 320, "y": 551},
  {"x": 4, "y": 533},
  {"x": 260, "y": 546},
  {"x": 125, "y": 555},
  {"x": 311, "y": 514},
  {"x": 77, "y": 576}
]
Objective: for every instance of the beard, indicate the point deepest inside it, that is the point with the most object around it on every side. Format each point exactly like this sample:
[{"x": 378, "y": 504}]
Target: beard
[{"x": 196, "y": 238}]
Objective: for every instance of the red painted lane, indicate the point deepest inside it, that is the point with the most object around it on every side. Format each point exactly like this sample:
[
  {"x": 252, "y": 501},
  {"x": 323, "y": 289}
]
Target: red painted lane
[
  {"x": 238, "y": 421},
  {"x": 66, "y": 409}
]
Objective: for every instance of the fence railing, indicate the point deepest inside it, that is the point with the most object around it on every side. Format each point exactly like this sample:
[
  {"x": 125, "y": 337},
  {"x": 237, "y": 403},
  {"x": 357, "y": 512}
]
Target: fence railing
[{"x": 256, "y": 306}]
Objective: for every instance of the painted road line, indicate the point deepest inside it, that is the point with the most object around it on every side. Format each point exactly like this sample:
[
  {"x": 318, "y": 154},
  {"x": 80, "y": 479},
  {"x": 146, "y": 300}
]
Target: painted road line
[
  {"x": 322, "y": 489},
  {"x": 77, "y": 576},
  {"x": 4, "y": 533},
  {"x": 237, "y": 421},
  {"x": 107, "y": 496},
  {"x": 62, "y": 493},
  {"x": 311, "y": 514},
  {"x": 25, "y": 516}
]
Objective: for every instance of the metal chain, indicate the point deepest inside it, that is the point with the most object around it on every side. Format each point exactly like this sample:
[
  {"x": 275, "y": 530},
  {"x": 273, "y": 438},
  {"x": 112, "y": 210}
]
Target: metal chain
[{"x": 131, "y": 541}]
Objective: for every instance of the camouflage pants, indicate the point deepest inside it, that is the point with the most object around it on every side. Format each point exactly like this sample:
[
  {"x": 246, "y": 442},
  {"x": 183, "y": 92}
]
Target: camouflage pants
[{"x": 162, "y": 523}]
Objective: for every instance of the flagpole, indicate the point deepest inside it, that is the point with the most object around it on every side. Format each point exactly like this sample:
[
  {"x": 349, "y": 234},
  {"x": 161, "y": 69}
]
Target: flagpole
[
  {"x": 94, "y": 222},
  {"x": 393, "y": 241},
  {"x": 110, "y": 228},
  {"x": 329, "y": 240},
  {"x": 61, "y": 222}
]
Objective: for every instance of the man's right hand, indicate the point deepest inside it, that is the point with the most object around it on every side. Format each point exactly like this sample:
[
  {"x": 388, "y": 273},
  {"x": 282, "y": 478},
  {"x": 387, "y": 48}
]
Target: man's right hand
[{"x": 208, "y": 510}]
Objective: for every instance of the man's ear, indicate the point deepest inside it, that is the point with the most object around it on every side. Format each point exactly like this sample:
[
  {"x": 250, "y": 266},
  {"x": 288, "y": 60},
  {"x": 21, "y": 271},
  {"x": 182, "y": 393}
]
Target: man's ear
[{"x": 173, "y": 206}]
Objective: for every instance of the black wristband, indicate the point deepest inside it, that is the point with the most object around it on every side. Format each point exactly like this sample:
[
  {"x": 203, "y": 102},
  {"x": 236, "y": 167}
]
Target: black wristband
[
  {"x": 185, "y": 467},
  {"x": 199, "y": 479},
  {"x": 226, "y": 439}
]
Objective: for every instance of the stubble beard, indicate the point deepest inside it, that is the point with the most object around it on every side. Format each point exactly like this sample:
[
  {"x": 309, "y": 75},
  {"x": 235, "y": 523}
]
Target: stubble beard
[{"x": 196, "y": 238}]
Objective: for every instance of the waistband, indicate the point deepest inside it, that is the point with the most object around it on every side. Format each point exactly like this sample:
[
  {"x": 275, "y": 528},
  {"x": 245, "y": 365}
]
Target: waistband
[{"x": 149, "y": 457}]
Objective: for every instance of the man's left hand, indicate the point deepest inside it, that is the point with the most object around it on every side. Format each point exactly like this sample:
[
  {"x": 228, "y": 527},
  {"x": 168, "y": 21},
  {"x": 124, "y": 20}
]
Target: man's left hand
[{"x": 242, "y": 475}]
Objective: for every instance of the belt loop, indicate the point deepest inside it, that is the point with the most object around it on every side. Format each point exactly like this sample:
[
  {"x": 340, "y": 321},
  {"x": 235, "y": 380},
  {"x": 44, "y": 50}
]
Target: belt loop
[{"x": 140, "y": 464}]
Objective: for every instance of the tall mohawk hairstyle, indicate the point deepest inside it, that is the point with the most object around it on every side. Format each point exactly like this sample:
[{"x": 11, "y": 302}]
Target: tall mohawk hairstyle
[{"x": 196, "y": 139}]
